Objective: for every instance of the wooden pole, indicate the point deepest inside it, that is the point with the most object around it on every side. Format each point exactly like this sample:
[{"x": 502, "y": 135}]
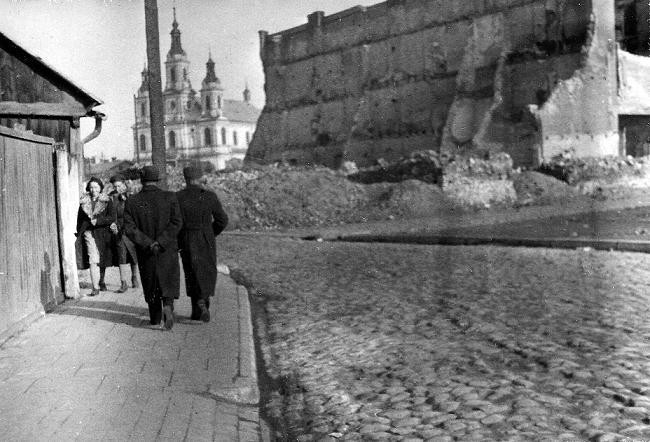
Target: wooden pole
[{"x": 158, "y": 156}]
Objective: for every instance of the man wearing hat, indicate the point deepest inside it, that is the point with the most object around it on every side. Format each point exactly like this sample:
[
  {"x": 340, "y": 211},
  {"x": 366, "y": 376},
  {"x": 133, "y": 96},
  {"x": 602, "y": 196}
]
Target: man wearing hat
[
  {"x": 203, "y": 220},
  {"x": 152, "y": 220}
]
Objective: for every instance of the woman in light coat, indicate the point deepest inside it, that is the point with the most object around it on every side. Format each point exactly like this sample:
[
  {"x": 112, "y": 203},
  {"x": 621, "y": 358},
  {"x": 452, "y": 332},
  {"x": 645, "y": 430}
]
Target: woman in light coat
[{"x": 93, "y": 236}]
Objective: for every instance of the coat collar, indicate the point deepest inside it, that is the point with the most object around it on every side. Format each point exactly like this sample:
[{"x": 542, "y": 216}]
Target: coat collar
[
  {"x": 149, "y": 188},
  {"x": 86, "y": 204}
]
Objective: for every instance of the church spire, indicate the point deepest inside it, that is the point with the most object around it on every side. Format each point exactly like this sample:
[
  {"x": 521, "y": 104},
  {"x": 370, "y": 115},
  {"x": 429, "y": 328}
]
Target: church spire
[
  {"x": 210, "y": 75},
  {"x": 176, "y": 38},
  {"x": 144, "y": 86},
  {"x": 247, "y": 94}
]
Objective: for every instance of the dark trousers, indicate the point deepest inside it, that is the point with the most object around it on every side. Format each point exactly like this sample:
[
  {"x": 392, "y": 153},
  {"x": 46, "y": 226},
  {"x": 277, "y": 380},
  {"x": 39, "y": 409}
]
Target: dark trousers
[
  {"x": 156, "y": 306},
  {"x": 191, "y": 282},
  {"x": 124, "y": 246}
]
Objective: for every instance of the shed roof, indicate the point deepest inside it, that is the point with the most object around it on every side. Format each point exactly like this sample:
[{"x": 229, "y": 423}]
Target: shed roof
[{"x": 46, "y": 71}]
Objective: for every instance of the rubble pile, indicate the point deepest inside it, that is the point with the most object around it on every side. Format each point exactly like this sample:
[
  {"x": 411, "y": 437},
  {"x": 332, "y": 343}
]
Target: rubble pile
[
  {"x": 423, "y": 184},
  {"x": 425, "y": 166},
  {"x": 573, "y": 170},
  {"x": 476, "y": 182},
  {"x": 496, "y": 167},
  {"x": 282, "y": 196}
]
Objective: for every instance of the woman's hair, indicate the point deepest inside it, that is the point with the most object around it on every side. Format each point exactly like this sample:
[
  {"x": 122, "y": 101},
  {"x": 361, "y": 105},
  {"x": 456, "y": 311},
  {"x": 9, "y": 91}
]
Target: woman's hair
[
  {"x": 96, "y": 180},
  {"x": 115, "y": 178}
]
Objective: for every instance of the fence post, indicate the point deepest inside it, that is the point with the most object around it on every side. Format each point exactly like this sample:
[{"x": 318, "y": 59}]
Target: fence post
[{"x": 67, "y": 200}]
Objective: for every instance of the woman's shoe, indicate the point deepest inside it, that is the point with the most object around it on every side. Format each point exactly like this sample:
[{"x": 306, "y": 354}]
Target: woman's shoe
[
  {"x": 123, "y": 288},
  {"x": 134, "y": 282},
  {"x": 94, "y": 292}
]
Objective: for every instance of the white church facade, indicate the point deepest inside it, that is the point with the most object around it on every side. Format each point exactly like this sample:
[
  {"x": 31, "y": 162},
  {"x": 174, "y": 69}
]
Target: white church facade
[{"x": 201, "y": 126}]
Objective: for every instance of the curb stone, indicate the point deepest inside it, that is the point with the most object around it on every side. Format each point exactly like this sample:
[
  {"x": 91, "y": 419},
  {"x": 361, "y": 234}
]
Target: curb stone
[
  {"x": 608, "y": 244},
  {"x": 244, "y": 389}
]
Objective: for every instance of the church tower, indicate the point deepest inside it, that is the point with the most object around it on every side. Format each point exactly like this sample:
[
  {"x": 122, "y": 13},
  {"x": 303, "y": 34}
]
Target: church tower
[
  {"x": 211, "y": 91},
  {"x": 141, "y": 129},
  {"x": 200, "y": 125},
  {"x": 177, "y": 84},
  {"x": 142, "y": 99}
]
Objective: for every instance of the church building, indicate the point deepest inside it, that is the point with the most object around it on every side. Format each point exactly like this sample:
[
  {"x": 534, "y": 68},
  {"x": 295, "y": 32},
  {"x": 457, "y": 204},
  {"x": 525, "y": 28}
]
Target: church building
[{"x": 201, "y": 126}]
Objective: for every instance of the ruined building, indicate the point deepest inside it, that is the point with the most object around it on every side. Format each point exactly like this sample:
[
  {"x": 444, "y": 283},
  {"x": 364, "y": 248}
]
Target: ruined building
[
  {"x": 533, "y": 78},
  {"x": 202, "y": 126}
]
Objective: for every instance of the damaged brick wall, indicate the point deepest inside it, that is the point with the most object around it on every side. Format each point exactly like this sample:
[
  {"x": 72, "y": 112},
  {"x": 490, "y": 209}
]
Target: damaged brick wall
[
  {"x": 404, "y": 75},
  {"x": 580, "y": 113}
]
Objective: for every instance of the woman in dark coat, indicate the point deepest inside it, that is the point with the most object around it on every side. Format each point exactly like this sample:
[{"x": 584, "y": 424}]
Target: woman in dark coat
[
  {"x": 123, "y": 248},
  {"x": 93, "y": 237},
  {"x": 203, "y": 219}
]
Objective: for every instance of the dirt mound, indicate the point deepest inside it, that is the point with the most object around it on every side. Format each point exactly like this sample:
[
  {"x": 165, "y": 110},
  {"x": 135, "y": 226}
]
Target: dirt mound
[
  {"x": 479, "y": 193},
  {"x": 422, "y": 165},
  {"x": 410, "y": 198},
  {"x": 537, "y": 188},
  {"x": 276, "y": 197},
  {"x": 284, "y": 196}
]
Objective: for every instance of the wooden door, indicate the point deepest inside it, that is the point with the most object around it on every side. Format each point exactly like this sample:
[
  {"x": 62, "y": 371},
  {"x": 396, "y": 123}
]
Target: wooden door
[{"x": 30, "y": 278}]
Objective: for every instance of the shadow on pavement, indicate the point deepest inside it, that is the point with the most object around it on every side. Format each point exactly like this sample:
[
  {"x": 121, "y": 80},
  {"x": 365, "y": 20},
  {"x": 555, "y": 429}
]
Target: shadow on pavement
[
  {"x": 106, "y": 311},
  {"x": 114, "y": 312}
]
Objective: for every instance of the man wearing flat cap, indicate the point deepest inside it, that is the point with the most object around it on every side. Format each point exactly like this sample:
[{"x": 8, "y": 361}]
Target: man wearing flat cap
[
  {"x": 203, "y": 220},
  {"x": 152, "y": 220}
]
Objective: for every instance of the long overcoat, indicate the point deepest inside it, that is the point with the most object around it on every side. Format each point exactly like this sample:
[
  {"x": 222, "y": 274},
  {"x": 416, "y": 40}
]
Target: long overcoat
[
  {"x": 115, "y": 214},
  {"x": 100, "y": 231},
  {"x": 203, "y": 219},
  {"x": 153, "y": 215}
]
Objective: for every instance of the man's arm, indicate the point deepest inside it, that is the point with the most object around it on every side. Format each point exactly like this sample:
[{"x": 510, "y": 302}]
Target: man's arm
[
  {"x": 219, "y": 216},
  {"x": 136, "y": 235},
  {"x": 170, "y": 233}
]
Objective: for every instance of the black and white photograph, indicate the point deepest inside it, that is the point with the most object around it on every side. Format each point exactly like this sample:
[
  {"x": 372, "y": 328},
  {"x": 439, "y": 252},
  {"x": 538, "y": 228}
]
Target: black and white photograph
[{"x": 323, "y": 221}]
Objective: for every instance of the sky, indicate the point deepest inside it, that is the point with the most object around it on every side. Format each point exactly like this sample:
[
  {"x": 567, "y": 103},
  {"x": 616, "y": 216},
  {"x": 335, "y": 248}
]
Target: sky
[{"x": 100, "y": 45}]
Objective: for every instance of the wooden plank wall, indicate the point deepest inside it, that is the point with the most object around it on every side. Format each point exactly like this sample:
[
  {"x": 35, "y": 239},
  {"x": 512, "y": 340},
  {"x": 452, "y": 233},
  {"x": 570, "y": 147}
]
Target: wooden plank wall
[
  {"x": 4, "y": 253},
  {"x": 53, "y": 128},
  {"x": 31, "y": 280}
]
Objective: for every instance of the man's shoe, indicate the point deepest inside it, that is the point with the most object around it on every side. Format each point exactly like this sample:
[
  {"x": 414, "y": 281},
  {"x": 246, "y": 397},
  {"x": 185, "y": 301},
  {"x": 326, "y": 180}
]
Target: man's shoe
[
  {"x": 123, "y": 288},
  {"x": 102, "y": 287},
  {"x": 205, "y": 313},
  {"x": 134, "y": 282},
  {"x": 168, "y": 317},
  {"x": 94, "y": 292}
]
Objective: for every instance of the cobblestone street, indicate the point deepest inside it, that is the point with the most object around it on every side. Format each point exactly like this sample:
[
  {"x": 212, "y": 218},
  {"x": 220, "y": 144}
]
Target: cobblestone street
[{"x": 404, "y": 342}]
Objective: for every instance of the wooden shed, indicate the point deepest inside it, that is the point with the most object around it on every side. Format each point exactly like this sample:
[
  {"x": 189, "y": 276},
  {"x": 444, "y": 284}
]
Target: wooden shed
[{"x": 41, "y": 174}]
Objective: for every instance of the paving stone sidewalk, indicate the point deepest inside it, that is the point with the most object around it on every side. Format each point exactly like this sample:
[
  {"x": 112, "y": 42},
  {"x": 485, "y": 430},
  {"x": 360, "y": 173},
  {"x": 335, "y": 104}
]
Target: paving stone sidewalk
[{"x": 95, "y": 369}]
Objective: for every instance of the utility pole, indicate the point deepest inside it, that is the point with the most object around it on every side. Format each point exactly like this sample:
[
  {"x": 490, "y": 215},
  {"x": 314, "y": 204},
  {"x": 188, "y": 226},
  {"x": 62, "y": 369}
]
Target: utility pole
[{"x": 158, "y": 156}]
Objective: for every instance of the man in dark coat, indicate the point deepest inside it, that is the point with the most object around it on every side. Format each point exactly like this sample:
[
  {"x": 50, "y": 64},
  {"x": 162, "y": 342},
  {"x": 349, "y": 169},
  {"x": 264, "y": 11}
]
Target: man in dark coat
[
  {"x": 203, "y": 220},
  {"x": 152, "y": 220}
]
